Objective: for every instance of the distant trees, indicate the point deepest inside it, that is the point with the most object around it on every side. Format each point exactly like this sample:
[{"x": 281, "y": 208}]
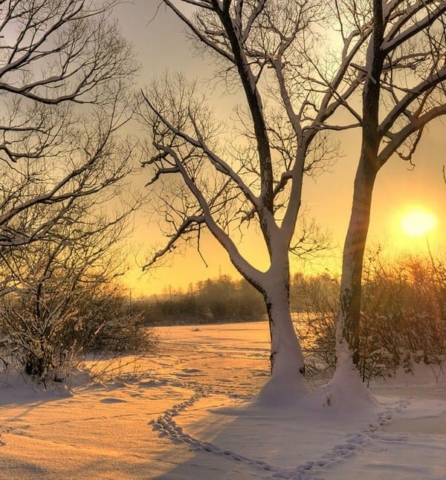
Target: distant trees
[
  {"x": 226, "y": 299},
  {"x": 212, "y": 300}
]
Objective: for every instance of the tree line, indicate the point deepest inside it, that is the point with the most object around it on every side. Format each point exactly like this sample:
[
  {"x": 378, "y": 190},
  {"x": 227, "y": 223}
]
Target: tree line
[
  {"x": 403, "y": 316},
  {"x": 225, "y": 299}
]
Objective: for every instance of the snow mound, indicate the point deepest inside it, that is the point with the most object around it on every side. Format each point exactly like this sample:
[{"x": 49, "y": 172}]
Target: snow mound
[
  {"x": 347, "y": 392},
  {"x": 282, "y": 391},
  {"x": 344, "y": 393}
]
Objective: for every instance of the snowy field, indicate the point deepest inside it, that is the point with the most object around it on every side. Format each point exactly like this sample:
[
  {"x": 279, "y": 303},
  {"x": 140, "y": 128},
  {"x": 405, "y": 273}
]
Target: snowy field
[{"x": 187, "y": 413}]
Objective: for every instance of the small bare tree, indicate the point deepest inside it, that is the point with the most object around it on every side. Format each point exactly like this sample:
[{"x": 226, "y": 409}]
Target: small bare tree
[
  {"x": 404, "y": 89},
  {"x": 65, "y": 78},
  {"x": 44, "y": 321}
]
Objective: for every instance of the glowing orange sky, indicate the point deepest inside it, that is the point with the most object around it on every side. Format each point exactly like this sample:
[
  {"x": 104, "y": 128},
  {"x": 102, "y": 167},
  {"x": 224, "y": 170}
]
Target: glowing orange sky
[{"x": 161, "y": 45}]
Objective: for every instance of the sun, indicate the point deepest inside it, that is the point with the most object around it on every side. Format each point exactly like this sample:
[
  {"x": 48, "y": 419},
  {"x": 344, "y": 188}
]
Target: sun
[{"x": 418, "y": 222}]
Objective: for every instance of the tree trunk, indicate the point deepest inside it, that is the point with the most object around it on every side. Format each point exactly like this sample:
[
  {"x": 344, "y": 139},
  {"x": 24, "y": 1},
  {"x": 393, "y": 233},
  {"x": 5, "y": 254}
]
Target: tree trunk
[
  {"x": 346, "y": 386},
  {"x": 287, "y": 383},
  {"x": 286, "y": 353},
  {"x": 347, "y": 334}
]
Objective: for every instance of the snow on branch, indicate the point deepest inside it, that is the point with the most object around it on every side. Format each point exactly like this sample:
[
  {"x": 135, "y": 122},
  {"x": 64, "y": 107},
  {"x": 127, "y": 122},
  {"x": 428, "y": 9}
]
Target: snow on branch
[
  {"x": 416, "y": 125},
  {"x": 410, "y": 97},
  {"x": 398, "y": 35}
]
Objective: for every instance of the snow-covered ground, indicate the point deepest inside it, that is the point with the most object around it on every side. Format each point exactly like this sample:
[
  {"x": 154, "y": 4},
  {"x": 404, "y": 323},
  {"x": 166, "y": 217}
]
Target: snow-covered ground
[{"x": 186, "y": 413}]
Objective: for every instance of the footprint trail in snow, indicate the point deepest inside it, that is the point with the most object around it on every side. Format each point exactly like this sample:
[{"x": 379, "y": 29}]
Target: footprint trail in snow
[{"x": 166, "y": 426}]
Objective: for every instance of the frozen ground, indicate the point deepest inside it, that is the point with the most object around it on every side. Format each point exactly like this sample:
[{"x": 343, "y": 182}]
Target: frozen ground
[{"x": 185, "y": 414}]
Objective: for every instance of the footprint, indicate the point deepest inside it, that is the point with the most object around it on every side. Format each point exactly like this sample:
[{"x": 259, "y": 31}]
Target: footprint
[{"x": 113, "y": 400}]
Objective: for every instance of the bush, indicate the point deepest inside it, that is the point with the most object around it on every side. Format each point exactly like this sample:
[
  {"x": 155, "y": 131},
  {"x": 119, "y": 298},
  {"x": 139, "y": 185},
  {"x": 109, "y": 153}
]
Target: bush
[
  {"x": 404, "y": 314},
  {"x": 403, "y": 319},
  {"x": 112, "y": 324},
  {"x": 47, "y": 343}
]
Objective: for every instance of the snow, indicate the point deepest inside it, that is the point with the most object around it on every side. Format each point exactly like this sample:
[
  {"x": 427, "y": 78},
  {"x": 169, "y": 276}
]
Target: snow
[{"x": 191, "y": 412}]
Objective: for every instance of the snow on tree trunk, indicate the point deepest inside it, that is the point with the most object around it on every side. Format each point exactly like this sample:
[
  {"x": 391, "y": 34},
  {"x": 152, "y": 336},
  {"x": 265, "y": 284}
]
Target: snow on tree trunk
[
  {"x": 286, "y": 352},
  {"x": 347, "y": 335},
  {"x": 347, "y": 381},
  {"x": 287, "y": 383}
]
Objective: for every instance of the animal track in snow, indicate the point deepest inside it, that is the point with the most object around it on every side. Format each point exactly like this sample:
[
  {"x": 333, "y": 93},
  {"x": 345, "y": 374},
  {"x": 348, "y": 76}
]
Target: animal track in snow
[{"x": 167, "y": 427}]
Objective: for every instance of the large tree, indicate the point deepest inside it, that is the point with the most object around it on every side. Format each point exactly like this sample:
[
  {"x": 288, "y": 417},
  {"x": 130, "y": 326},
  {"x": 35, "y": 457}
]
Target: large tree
[
  {"x": 65, "y": 79},
  {"x": 404, "y": 89},
  {"x": 249, "y": 173}
]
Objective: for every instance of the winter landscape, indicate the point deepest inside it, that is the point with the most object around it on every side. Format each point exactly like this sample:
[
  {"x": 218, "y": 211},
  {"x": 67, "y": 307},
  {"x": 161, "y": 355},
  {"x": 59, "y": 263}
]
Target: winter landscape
[
  {"x": 174, "y": 171},
  {"x": 190, "y": 412}
]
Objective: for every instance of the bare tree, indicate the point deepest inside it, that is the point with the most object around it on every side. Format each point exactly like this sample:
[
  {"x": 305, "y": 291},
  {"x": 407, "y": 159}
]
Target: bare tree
[
  {"x": 404, "y": 89},
  {"x": 46, "y": 283},
  {"x": 64, "y": 77},
  {"x": 250, "y": 173}
]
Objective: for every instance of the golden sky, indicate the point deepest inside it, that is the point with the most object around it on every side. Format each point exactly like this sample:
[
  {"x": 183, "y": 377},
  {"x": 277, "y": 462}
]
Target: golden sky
[{"x": 160, "y": 44}]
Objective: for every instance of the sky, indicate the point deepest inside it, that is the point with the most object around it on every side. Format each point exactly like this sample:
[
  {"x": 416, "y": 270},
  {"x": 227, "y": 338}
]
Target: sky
[{"x": 160, "y": 44}]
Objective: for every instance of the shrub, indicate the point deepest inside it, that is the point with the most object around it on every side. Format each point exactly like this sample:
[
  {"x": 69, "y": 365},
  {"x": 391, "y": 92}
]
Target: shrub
[
  {"x": 403, "y": 318},
  {"x": 49, "y": 342}
]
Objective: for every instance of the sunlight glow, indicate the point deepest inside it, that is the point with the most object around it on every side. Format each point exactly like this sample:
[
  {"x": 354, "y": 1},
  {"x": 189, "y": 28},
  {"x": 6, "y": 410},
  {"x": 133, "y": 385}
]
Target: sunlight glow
[{"x": 417, "y": 223}]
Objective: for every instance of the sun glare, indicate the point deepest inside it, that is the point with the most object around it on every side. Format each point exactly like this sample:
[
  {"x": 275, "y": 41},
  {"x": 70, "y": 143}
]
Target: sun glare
[{"x": 417, "y": 223}]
